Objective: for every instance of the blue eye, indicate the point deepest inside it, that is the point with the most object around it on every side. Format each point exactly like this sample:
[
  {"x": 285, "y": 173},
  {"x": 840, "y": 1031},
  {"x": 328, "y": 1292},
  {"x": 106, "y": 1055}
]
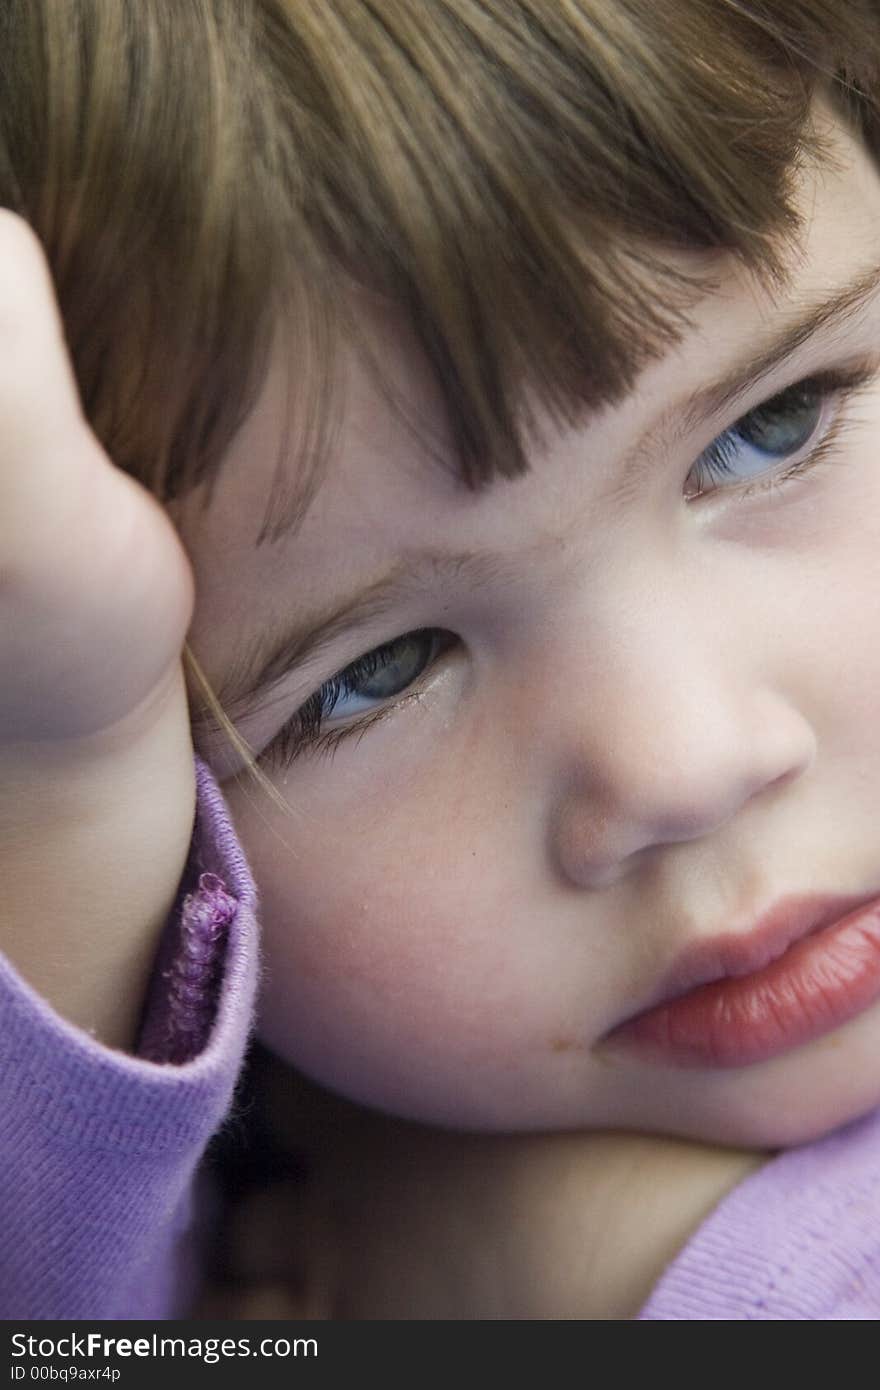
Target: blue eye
[
  {"x": 787, "y": 435},
  {"x": 363, "y": 692},
  {"x": 377, "y": 676},
  {"x": 772, "y": 433}
]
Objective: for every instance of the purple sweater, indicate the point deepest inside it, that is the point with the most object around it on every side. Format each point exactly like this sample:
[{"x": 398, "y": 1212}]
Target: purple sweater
[{"x": 101, "y": 1150}]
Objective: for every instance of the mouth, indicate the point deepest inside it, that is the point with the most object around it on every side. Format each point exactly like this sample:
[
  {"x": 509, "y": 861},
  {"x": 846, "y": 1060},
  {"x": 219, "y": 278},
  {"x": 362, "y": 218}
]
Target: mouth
[{"x": 803, "y": 969}]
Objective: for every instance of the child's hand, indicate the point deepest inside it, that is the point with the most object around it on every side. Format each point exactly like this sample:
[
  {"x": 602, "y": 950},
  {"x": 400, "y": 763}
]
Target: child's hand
[
  {"x": 400, "y": 1221},
  {"x": 96, "y": 594},
  {"x": 434, "y": 1226}
]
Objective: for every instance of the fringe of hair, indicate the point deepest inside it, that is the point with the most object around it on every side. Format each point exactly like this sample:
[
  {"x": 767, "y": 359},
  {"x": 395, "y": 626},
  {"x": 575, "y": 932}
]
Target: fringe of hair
[{"x": 202, "y": 173}]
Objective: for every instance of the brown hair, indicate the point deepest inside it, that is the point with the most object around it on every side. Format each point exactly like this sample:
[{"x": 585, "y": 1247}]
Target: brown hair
[{"x": 508, "y": 171}]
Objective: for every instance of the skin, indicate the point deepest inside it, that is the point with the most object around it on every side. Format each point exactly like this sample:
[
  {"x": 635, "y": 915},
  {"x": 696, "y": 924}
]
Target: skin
[
  {"x": 657, "y": 720},
  {"x": 397, "y": 1220}
]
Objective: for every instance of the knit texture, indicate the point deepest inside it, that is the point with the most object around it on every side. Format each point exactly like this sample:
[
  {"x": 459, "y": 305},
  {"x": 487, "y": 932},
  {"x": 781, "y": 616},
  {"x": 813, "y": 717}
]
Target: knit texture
[
  {"x": 100, "y": 1149},
  {"x": 183, "y": 1001},
  {"x": 797, "y": 1240}
]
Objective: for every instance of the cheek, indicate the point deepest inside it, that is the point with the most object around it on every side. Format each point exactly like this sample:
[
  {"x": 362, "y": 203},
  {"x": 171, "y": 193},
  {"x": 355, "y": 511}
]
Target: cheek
[
  {"x": 821, "y": 620},
  {"x": 399, "y": 968},
  {"x": 842, "y": 609}
]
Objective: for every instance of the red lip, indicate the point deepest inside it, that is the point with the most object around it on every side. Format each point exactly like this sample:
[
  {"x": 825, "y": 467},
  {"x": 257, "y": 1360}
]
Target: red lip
[{"x": 807, "y": 966}]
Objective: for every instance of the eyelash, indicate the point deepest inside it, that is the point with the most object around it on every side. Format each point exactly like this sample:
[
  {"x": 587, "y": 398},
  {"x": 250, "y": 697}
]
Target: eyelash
[
  {"x": 842, "y": 382},
  {"x": 303, "y": 731}
]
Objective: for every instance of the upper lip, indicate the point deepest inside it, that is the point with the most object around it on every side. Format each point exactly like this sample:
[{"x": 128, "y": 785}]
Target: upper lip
[{"x": 743, "y": 952}]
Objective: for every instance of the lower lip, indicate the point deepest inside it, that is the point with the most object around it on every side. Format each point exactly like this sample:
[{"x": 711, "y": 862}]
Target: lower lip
[{"x": 816, "y": 986}]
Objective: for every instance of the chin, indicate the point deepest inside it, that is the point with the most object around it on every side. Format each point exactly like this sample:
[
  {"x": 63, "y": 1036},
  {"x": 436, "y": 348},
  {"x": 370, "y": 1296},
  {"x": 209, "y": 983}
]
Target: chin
[{"x": 784, "y": 1123}]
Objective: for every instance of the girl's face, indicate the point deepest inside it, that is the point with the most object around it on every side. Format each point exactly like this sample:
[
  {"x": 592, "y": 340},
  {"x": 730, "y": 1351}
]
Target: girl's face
[{"x": 631, "y": 719}]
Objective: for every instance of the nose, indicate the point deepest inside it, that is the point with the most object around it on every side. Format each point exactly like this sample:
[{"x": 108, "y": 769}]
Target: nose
[{"x": 687, "y": 738}]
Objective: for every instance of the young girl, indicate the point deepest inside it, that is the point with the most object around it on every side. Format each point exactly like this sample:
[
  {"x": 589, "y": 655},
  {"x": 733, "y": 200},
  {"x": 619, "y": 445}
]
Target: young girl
[{"x": 509, "y": 371}]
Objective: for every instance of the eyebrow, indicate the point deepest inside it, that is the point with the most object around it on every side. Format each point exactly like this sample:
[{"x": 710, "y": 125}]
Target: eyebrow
[
  {"x": 269, "y": 656},
  {"x": 682, "y": 418},
  {"x": 264, "y": 661}
]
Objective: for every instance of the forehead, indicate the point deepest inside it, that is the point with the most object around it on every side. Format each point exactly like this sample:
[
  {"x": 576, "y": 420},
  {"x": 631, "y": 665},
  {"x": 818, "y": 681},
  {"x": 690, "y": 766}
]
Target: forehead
[{"x": 390, "y": 483}]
